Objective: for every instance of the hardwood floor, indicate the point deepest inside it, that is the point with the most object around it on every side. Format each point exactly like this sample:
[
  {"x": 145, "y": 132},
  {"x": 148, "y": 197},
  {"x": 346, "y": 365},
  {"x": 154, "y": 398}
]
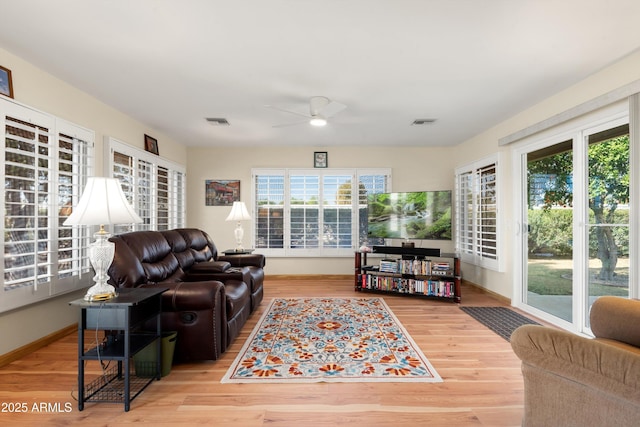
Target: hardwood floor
[{"x": 482, "y": 385}]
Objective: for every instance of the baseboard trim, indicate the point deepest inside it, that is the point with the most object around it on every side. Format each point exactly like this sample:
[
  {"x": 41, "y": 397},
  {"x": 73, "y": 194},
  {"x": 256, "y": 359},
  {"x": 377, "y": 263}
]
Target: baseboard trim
[
  {"x": 484, "y": 290},
  {"x": 310, "y": 277},
  {"x": 25, "y": 350}
]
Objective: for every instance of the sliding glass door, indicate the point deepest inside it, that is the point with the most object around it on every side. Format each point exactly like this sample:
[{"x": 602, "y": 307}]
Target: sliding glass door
[
  {"x": 575, "y": 222},
  {"x": 549, "y": 233},
  {"x": 607, "y": 222}
]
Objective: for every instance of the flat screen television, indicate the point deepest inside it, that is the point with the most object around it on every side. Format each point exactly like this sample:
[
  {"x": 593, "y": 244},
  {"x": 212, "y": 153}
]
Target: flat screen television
[{"x": 410, "y": 215}]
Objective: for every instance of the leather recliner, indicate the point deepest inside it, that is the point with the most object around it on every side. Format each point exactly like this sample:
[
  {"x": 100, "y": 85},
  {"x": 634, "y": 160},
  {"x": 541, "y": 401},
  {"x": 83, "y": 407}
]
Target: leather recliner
[
  {"x": 208, "y": 313},
  {"x": 248, "y": 268}
]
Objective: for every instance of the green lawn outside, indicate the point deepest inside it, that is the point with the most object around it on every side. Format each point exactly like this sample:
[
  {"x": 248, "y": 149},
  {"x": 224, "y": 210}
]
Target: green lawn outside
[{"x": 553, "y": 277}]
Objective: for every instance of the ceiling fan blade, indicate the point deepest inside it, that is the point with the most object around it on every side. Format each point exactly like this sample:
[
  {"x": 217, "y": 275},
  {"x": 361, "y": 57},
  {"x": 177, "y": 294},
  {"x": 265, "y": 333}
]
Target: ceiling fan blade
[
  {"x": 332, "y": 109},
  {"x": 287, "y": 111},
  {"x": 320, "y": 107},
  {"x": 290, "y": 124}
]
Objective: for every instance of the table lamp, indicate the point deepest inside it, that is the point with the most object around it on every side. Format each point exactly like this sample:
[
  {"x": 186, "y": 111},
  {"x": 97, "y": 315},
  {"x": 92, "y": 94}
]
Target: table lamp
[
  {"x": 102, "y": 203},
  {"x": 238, "y": 213}
]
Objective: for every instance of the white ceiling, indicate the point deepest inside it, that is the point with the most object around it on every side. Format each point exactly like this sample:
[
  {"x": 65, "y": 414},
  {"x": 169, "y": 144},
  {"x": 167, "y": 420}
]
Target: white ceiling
[{"x": 469, "y": 64}]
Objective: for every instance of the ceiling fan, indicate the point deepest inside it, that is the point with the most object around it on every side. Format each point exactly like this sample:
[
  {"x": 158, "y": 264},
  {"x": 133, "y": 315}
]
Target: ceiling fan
[{"x": 321, "y": 108}]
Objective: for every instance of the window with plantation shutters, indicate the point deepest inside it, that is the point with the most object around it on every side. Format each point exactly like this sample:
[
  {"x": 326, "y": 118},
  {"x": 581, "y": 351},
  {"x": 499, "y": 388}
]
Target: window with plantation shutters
[
  {"x": 143, "y": 198},
  {"x": 477, "y": 214},
  {"x": 46, "y": 163},
  {"x": 269, "y": 202},
  {"x": 487, "y": 213},
  {"x": 73, "y": 170},
  {"x": 155, "y": 187},
  {"x": 311, "y": 212}
]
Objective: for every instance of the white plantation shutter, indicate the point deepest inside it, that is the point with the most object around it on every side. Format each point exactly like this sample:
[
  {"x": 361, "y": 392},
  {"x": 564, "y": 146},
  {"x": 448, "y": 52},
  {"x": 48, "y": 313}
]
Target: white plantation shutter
[
  {"x": 162, "y": 197},
  {"x": 143, "y": 198},
  {"x": 477, "y": 217},
  {"x": 74, "y": 156},
  {"x": 304, "y": 218},
  {"x": 46, "y": 164},
  {"x": 269, "y": 202},
  {"x": 311, "y": 212},
  {"x": 465, "y": 208},
  {"x": 487, "y": 215},
  {"x": 155, "y": 187},
  {"x": 169, "y": 198}
]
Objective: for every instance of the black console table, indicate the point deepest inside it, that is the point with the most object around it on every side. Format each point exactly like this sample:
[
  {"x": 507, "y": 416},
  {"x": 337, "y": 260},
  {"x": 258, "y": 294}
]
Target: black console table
[{"x": 123, "y": 314}]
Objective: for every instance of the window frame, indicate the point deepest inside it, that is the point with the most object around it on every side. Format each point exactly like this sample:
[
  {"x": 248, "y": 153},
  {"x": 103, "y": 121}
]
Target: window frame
[
  {"x": 78, "y": 166},
  {"x": 157, "y": 187},
  {"x": 321, "y": 251},
  {"x": 469, "y": 235}
]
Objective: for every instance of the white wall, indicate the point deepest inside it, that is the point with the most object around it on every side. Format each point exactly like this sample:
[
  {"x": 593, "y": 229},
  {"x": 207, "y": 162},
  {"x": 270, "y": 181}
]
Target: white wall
[
  {"x": 38, "y": 89},
  {"x": 617, "y": 75},
  {"x": 413, "y": 169}
]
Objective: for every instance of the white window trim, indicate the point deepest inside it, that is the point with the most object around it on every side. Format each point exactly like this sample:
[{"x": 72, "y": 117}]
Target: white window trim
[
  {"x": 111, "y": 144},
  {"x": 613, "y": 114},
  {"x": 21, "y": 297},
  {"x": 287, "y": 251},
  {"x": 475, "y": 257}
]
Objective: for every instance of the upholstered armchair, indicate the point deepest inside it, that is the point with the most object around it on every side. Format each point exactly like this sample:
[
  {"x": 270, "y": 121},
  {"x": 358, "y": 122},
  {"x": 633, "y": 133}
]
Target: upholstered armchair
[{"x": 570, "y": 380}]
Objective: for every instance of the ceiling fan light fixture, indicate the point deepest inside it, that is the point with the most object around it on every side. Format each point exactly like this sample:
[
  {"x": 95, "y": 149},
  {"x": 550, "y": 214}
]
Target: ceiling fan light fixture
[{"x": 317, "y": 121}]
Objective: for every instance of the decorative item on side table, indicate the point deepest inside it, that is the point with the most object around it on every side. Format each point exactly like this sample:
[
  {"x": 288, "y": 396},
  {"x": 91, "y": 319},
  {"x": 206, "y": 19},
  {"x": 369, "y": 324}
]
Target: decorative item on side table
[
  {"x": 102, "y": 203},
  {"x": 239, "y": 213},
  {"x": 320, "y": 159}
]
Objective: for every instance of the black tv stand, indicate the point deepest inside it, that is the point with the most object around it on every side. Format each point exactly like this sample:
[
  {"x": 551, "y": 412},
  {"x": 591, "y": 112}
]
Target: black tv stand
[
  {"x": 405, "y": 250},
  {"x": 421, "y": 272}
]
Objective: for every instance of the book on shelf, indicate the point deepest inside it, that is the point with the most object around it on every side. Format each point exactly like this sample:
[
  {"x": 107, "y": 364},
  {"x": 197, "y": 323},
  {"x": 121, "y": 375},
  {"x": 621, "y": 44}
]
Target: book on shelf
[
  {"x": 436, "y": 288},
  {"x": 415, "y": 267},
  {"x": 441, "y": 266},
  {"x": 389, "y": 265}
]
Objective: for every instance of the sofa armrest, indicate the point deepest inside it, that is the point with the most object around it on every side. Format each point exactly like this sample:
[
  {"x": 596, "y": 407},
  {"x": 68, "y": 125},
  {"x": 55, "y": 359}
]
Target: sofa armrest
[
  {"x": 191, "y": 296},
  {"x": 209, "y": 267},
  {"x": 614, "y": 369},
  {"x": 244, "y": 260},
  {"x": 616, "y": 318}
]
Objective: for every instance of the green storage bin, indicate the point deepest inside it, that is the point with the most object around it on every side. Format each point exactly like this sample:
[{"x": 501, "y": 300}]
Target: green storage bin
[{"x": 145, "y": 359}]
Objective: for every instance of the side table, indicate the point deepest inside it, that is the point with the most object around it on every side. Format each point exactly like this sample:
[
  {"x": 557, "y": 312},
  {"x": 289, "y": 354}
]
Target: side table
[{"x": 125, "y": 313}]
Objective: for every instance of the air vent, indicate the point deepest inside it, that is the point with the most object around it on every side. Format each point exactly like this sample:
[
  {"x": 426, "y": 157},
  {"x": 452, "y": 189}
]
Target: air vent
[
  {"x": 422, "y": 122},
  {"x": 217, "y": 121}
]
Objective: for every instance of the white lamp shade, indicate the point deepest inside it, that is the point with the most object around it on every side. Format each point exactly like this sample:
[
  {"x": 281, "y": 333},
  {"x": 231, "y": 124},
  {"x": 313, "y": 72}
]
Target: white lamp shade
[
  {"x": 102, "y": 202},
  {"x": 238, "y": 212}
]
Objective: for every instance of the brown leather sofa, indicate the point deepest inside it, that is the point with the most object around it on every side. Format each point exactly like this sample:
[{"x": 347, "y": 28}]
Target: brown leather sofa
[
  {"x": 570, "y": 380},
  {"x": 209, "y": 300}
]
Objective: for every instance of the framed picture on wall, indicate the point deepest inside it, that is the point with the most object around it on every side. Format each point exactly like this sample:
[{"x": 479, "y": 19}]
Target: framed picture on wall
[
  {"x": 151, "y": 145},
  {"x": 221, "y": 192},
  {"x": 6, "y": 84},
  {"x": 320, "y": 159}
]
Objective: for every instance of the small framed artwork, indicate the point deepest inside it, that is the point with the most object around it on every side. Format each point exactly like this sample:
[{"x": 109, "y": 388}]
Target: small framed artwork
[
  {"x": 221, "y": 192},
  {"x": 320, "y": 159},
  {"x": 151, "y": 145},
  {"x": 6, "y": 84}
]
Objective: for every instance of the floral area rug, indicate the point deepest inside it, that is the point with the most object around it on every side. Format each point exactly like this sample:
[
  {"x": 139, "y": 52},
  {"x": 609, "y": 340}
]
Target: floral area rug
[{"x": 329, "y": 340}]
